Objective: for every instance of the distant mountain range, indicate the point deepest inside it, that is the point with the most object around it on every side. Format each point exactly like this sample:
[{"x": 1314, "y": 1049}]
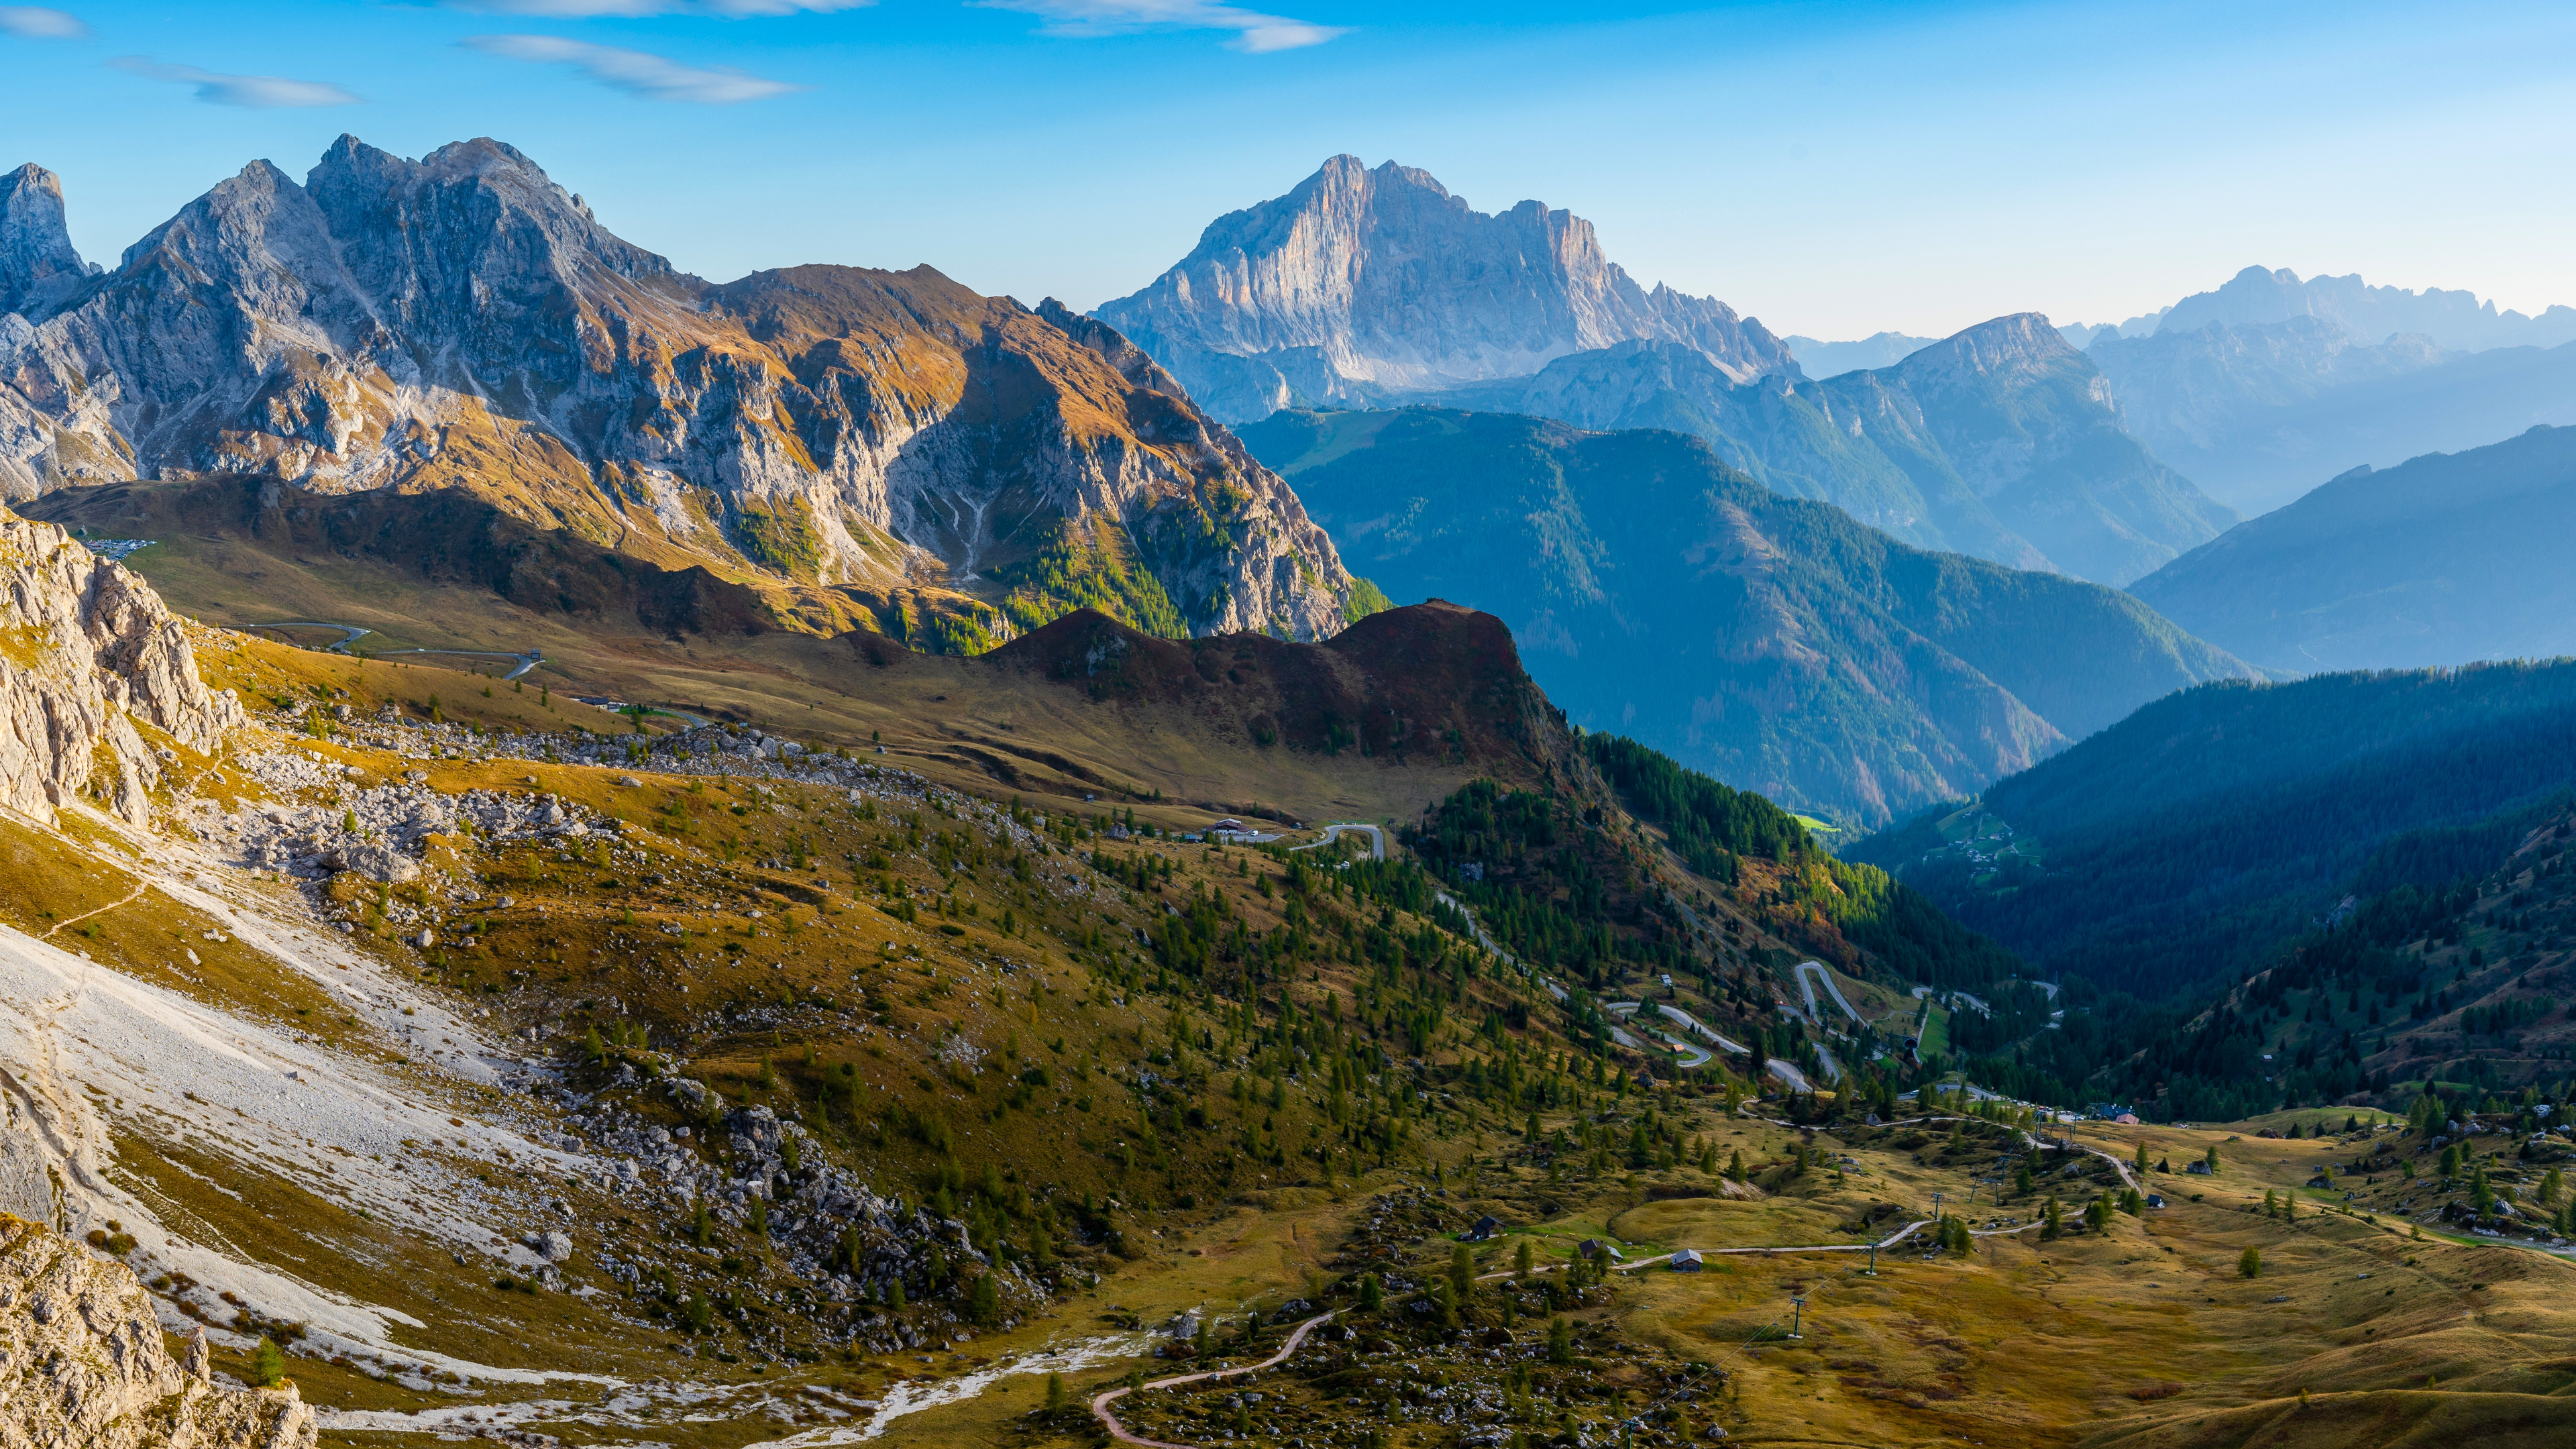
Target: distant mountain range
[
  {"x": 2443, "y": 559},
  {"x": 1820, "y": 360},
  {"x": 2262, "y": 388},
  {"x": 2259, "y": 414},
  {"x": 2000, "y": 442},
  {"x": 1362, "y": 287},
  {"x": 1775, "y": 643},
  {"x": 2454, "y": 321},
  {"x": 2190, "y": 841},
  {"x": 2267, "y": 386},
  {"x": 863, "y": 447}
]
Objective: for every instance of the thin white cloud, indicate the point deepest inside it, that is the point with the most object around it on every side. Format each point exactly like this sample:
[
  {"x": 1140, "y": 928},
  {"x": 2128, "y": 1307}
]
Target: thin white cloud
[
  {"x": 35, "y": 22},
  {"x": 1253, "y": 31},
  {"x": 635, "y": 72},
  {"x": 258, "y": 92},
  {"x": 638, "y": 9}
]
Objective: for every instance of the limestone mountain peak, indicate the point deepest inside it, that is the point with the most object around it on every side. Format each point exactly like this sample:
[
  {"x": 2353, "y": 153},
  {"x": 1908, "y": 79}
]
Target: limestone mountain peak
[
  {"x": 1366, "y": 285},
  {"x": 38, "y": 264}
]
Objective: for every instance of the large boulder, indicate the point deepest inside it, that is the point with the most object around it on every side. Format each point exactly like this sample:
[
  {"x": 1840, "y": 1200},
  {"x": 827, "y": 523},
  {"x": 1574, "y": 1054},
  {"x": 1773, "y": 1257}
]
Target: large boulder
[{"x": 83, "y": 1363}]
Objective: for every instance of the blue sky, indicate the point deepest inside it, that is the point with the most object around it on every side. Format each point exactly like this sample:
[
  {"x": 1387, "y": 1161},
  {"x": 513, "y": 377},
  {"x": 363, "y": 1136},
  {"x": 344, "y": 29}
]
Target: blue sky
[{"x": 1831, "y": 169}]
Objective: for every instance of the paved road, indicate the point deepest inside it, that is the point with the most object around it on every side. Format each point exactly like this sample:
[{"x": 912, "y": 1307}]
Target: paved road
[
  {"x": 351, "y": 634},
  {"x": 1807, "y": 982},
  {"x": 1825, "y": 1057},
  {"x": 1691, "y": 1056},
  {"x": 1482, "y": 939},
  {"x": 1377, "y": 839}
]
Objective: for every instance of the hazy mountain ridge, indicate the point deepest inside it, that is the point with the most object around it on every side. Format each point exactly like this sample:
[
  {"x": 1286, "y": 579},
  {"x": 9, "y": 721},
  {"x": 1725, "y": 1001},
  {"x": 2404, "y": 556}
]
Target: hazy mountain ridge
[
  {"x": 1819, "y": 359},
  {"x": 1365, "y": 286},
  {"x": 889, "y": 443},
  {"x": 2261, "y": 414},
  {"x": 2454, "y": 320},
  {"x": 2445, "y": 559},
  {"x": 2001, "y": 441},
  {"x": 1772, "y": 642}
]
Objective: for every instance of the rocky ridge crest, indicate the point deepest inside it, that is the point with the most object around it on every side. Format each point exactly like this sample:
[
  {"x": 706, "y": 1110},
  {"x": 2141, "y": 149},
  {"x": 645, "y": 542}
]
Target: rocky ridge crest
[
  {"x": 1362, "y": 287},
  {"x": 463, "y": 321}
]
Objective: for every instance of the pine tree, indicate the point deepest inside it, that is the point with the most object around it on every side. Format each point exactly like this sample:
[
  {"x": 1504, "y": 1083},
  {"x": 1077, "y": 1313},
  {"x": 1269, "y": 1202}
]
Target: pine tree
[
  {"x": 267, "y": 1364},
  {"x": 983, "y": 1301},
  {"x": 1462, "y": 1273},
  {"x": 2249, "y": 1264},
  {"x": 1055, "y": 1399},
  {"x": 1372, "y": 1294},
  {"x": 1560, "y": 1340}
]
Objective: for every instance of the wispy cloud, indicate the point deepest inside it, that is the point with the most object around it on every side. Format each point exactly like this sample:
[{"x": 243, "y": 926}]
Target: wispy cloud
[
  {"x": 35, "y": 22},
  {"x": 634, "y": 71},
  {"x": 1253, "y": 31},
  {"x": 258, "y": 92},
  {"x": 637, "y": 9}
]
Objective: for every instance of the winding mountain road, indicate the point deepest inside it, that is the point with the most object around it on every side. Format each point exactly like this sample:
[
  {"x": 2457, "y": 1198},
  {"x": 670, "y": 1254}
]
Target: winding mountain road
[
  {"x": 351, "y": 634},
  {"x": 1377, "y": 839}
]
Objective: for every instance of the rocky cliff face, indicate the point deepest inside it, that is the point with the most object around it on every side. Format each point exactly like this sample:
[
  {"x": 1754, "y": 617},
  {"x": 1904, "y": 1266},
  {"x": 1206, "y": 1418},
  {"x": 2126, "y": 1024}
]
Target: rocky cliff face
[
  {"x": 38, "y": 265},
  {"x": 90, "y": 664},
  {"x": 1360, "y": 287},
  {"x": 462, "y": 320},
  {"x": 82, "y": 1362},
  {"x": 2002, "y": 442}
]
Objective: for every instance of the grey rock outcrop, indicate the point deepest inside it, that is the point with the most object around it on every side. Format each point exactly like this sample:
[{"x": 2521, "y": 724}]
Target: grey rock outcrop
[
  {"x": 38, "y": 264},
  {"x": 1362, "y": 287},
  {"x": 462, "y": 320},
  {"x": 90, "y": 658},
  {"x": 82, "y": 1362}
]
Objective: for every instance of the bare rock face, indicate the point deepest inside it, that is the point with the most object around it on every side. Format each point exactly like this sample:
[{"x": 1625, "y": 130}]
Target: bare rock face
[
  {"x": 90, "y": 659},
  {"x": 82, "y": 1363},
  {"x": 38, "y": 265},
  {"x": 1364, "y": 287},
  {"x": 461, "y": 320}
]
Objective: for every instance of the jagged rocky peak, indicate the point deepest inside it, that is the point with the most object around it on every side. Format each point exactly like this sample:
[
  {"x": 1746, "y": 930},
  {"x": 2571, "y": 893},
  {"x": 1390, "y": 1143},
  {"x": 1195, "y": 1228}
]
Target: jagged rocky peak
[
  {"x": 461, "y": 320},
  {"x": 38, "y": 264},
  {"x": 105, "y": 662},
  {"x": 108, "y": 1378},
  {"x": 1370, "y": 286},
  {"x": 419, "y": 235}
]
